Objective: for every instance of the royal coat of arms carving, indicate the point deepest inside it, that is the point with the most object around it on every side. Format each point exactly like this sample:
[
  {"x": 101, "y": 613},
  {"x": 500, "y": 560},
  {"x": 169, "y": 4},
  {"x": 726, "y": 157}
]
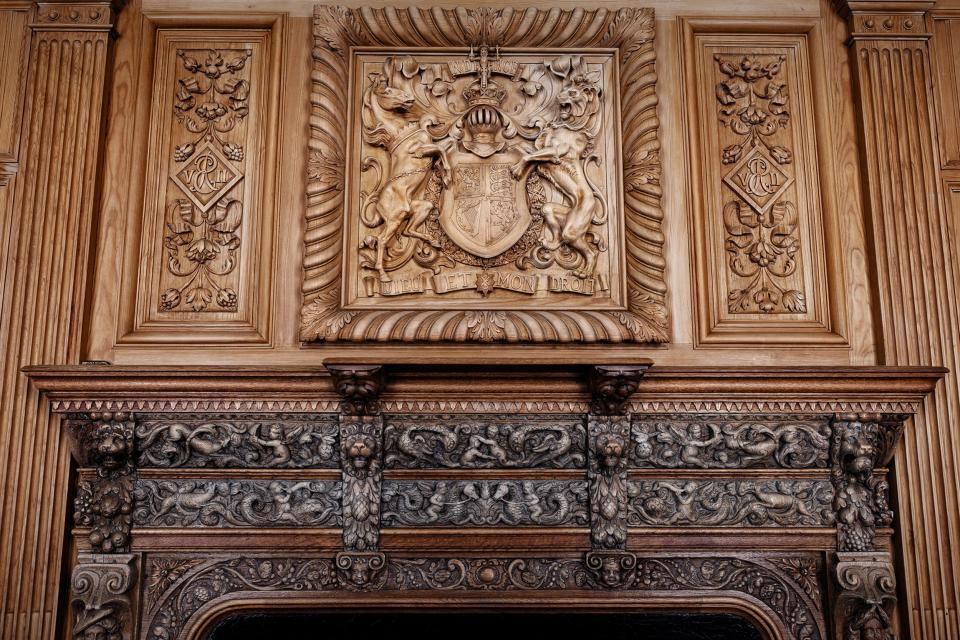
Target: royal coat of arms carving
[{"x": 488, "y": 176}]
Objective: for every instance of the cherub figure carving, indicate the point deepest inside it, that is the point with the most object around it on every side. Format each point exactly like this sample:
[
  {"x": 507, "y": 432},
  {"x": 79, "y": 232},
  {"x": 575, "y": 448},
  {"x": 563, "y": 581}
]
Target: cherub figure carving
[
  {"x": 391, "y": 119},
  {"x": 562, "y": 151}
]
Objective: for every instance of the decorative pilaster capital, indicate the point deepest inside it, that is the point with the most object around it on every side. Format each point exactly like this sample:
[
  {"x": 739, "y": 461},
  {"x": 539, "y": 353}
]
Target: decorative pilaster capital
[
  {"x": 358, "y": 386},
  {"x": 885, "y": 19},
  {"x": 866, "y": 596},
  {"x": 76, "y": 16},
  {"x": 611, "y": 387},
  {"x": 102, "y": 596}
]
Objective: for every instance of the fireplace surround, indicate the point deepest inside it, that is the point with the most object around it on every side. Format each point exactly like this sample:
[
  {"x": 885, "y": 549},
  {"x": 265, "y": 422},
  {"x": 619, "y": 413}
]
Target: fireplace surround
[{"x": 209, "y": 493}]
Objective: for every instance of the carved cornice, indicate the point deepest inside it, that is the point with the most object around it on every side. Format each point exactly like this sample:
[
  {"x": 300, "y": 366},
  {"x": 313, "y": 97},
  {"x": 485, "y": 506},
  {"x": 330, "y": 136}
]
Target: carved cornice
[{"x": 539, "y": 390}]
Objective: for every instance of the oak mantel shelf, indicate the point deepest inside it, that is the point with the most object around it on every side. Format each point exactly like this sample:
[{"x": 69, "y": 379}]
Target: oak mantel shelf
[{"x": 410, "y": 381}]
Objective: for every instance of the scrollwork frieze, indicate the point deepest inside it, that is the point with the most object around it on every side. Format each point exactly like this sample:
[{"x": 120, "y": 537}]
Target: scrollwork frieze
[
  {"x": 730, "y": 441},
  {"x": 238, "y": 441},
  {"x": 731, "y": 503},
  {"x": 237, "y": 503},
  {"x": 484, "y": 442},
  {"x": 484, "y": 503}
]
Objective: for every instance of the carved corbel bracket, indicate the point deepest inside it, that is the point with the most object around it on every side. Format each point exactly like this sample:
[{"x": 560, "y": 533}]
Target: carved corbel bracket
[
  {"x": 361, "y": 448},
  {"x": 609, "y": 437},
  {"x": 866, "y": 597},
  {"x": 862, "y": 443},
  {"x": 104, "y": 502},
  {"x": 612, "y": 386},
  {"x": 360, "y": 570},
  {"x": 102, "y": 596},
  {"x": 359, "y": 388}
]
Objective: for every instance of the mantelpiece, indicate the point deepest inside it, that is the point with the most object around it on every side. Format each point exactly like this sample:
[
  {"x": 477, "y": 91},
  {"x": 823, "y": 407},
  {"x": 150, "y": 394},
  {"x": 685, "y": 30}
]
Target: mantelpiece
[{"x": 207, "y": 491}]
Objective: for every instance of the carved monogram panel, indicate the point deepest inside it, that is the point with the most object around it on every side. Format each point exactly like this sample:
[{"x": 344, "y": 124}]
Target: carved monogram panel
[
  {"x": 730, "y": 441},
  {"x": 762, "y": 580},
  {"x": 237, "y": 503},
  {"x": 206, "y": 178},
  {"x": 730, "y": 503},
  {"x": 484, "y": 442},
  {"x": 488, "y": 197},
  {"x": 762, "y": 258},
  {"x": 238, "y": 441},
  {"x": 484, "y": 503}
]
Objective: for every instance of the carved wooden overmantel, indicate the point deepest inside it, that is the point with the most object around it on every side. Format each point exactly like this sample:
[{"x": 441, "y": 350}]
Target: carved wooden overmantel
[
  {"x": 500, "y": 182},
  {"x": 205, "y": 490}
]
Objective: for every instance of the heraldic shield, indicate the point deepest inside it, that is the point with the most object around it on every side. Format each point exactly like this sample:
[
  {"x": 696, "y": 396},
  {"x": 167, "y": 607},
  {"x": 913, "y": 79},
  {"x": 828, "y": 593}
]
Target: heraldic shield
[{"x": 485, "y": 210}]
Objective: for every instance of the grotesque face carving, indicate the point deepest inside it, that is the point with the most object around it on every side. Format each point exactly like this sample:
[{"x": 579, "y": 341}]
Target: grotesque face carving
[
  {"x": 610, "y": 450},
  {"x": 610, "y": 573},
  {"x": 358, "y": 451}
]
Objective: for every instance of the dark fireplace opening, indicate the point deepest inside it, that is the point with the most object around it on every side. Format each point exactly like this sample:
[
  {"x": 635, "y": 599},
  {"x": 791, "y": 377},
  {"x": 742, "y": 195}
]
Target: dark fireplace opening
[{"x": 486, "y": 625}]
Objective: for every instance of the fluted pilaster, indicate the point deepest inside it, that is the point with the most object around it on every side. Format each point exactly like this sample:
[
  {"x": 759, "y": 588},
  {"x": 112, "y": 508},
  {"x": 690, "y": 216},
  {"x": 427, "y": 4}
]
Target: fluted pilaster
[
  {"x": 46, "y": 243},
  {"x": 917, "y": 279}
]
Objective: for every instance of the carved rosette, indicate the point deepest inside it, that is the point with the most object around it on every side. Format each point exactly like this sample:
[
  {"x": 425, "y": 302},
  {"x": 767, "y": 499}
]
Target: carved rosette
[
  {"x": 867, "y": 596},
  {"x": 861, "y": 443},
  {"x": 361, "y": 448},
  {"x": 104, "y": 502},
  {"x": 640, "y": 313},
  {"x": 607, "y": 473},
  {"x": 102, "y": 595}
]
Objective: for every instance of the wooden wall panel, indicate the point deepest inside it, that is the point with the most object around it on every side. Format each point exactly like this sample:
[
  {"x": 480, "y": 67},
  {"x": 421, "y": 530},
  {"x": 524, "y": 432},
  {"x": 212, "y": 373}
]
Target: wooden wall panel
[
  {"x": 946, "y": 32},
  {"x": 13, "y": 33},
  {"x": 45, "y": 237},
  {"x": 762, "y": 248},
  {"x": 205, "y": 256}
]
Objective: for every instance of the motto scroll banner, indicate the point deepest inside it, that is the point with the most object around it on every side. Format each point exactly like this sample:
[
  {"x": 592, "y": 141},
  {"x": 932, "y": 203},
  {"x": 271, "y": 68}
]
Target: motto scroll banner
[{"x": 483, "y": 175}]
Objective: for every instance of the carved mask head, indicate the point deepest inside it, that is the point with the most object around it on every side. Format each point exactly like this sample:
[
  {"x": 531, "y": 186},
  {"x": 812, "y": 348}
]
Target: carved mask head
[
  {"x": 610, "y": 450},
  {"x": 611, "y": 573},
  {"x": 112, "y": 446},
  {"x": 357, "y": 451}
]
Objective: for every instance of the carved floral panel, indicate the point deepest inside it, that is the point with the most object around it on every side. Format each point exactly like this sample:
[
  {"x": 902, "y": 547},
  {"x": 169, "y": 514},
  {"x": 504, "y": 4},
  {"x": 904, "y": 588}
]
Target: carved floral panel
[
  {"x": 484, "y": 192},
  {"x": 761, "y": 254},
  {"x": 205, "y": 177}
]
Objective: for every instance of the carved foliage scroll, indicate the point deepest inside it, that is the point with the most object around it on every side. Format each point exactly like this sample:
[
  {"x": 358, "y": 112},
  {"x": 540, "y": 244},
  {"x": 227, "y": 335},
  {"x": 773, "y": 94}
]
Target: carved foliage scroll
[
  {"x": 484, "y": 442},
  {"x": 685, "y": 441},
  {"x": 777, "y": 586},
  {"x": 202, "y": 211},
  {"x": 761, "y": 257},
  {"x": 544, "y": 221},
  {"x": 238, "y": 441}
]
